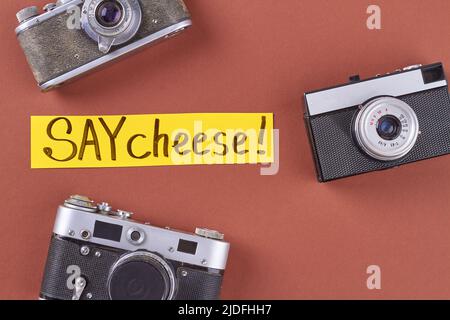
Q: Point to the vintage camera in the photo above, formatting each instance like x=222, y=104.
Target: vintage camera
x=100, y=253
x=379, y=123
x=73, y=37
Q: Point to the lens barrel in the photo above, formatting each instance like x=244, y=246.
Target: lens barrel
x=109, y=13
x=141, y=275
x=111, y=22
x=386, y=128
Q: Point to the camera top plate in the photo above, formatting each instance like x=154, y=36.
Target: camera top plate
x=114, y=229
x=402, y=82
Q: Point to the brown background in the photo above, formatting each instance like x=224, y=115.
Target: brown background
x=291, y=236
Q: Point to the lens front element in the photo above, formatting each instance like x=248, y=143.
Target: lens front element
x=109, y=13
x=386, y=128
x=389, y=127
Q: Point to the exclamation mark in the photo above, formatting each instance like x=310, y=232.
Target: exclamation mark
x=262, y=131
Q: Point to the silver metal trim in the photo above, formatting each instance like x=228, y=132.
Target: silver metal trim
x=130, y=256
x=27, y=14
x=214, y=252
x=46, y=15
x=80, y=285
x=412, y=67
x=84, y=250
x=357, y=93
x=49, y=6
x=116, y=54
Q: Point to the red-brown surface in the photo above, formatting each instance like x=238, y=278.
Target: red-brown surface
x=291, y=236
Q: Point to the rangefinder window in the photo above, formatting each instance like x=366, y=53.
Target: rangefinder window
x=186, y=246
x=107, y=231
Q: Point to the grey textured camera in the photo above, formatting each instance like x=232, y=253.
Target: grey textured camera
x=379, y=123
x=73, y=37
x=98, y=253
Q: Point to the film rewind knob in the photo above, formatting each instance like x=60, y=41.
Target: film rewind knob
x=81, y=202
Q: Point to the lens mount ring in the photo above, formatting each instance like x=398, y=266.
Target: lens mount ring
x=367, y=131
x=119, y=33
x=152, y=259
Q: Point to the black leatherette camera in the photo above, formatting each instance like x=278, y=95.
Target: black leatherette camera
x=379, y=123
x=97, y=253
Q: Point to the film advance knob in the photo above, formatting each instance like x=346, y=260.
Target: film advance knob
x=211, y=234
x=27, y=13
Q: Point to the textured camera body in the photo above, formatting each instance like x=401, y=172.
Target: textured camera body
x=58, y=53
x=330, y=116
x=193, y=283
x=99, y=253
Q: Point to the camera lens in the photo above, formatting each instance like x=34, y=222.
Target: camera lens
x=111, y=23
x=141, y=276
x=385, y=128
x=389, y=127
x=109, y=13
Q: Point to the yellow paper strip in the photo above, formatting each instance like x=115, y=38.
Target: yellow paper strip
x=151, y=140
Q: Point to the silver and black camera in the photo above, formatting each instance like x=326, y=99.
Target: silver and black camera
x=379, y=123
x=73, y=37
x=99, y=253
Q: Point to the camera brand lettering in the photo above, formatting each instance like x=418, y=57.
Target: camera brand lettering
x=151, y=140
